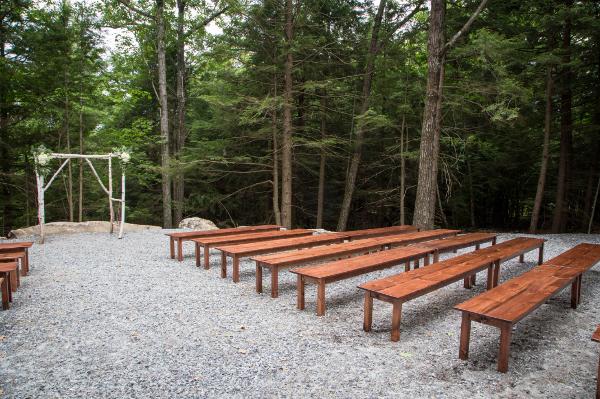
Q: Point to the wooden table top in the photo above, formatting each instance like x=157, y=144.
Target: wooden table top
x=510, y=247
x=12, y=245
x=518, y=297
x=382, y=231
x=14, y=254
x=582, y=256
x=8, y=266
x=416, y=237
x=459, y=241
x=275, y=245
x=216, y=232
x=246, y=238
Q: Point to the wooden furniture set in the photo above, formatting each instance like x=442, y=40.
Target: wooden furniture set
x=11, y=254
x=509, y=303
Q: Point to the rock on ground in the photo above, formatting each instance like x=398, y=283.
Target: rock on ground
x=197, y=224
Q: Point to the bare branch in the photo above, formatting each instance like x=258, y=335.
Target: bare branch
x=463, y=29
x=206, y=21
x=143, y=13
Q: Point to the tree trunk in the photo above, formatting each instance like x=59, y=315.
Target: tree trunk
x=68, y=138
x=472, y=199
x=560, y=221
x=286, y=166
x=321, y=192
x=374, y=48
x=178, y=182
x=164, y=116
x=546, y=149
x=275, y=158
x=80, y=207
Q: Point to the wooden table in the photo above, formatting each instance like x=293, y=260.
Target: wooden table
x=209, y=242
x=9, y=247
x=307, y=256
x=380, y=232
x=459, y=242
x=189, y=235
x=596, y=337
x=268, y=247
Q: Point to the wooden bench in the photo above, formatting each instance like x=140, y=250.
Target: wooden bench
x=268, y=247
x=596, y=338
x=11, y=257
x=400, y=240
x=190, y=235
x=246, y=238
x=509, y=303
x=9, y=272
x=459, y=242
x=5, y=305
x=415, y=283
x=307, y=256
x=9, y=247
x=347, y=268
x=380, y=232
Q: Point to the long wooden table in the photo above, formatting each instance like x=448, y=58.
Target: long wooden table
x=10, y=246
x=213, y=242
x=268, y=247
x=179, y=238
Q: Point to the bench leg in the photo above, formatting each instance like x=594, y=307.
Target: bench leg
x=466, y=283
x=274, y=280
x=505, y=333
x=477, y=247
x=300, y=292
x=368, y=311
x=465, y=336
x=396, y=317
x=19, y=274
x=416, y=264
x=406, y=267
x=13, y=277
x=541, y=255
x=172, y=247
x=236, y=268
x=180, y=250
x=26, y=261
x=223, y=264
x=473, y=277
x=521, y=258
x=206, y=256
x=198, y=262
x=579, y=289
x=490, y=277
x=436, y=256
x=426, y=260
x=321, y=298
x=5, y=292
x=496, y=273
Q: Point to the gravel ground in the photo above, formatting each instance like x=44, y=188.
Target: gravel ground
x=107, y=318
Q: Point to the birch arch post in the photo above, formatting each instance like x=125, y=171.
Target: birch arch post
x=42, y=159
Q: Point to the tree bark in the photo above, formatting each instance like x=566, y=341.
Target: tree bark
x=275, y=158
x=164, y=116
x=374, y=49
x=537, y=205
x=68, y=138
x=286, y=161
x=424, y=214
x=178, y=182
x=321, y=192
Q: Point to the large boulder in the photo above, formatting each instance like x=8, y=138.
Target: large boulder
x=197, y=224
x=69, y=228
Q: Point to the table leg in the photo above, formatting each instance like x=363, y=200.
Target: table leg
x=579, y=289
x=223, y=264
x=258, y=277
x=321, y=298
x=300, y=292
x=466, y=282
x=180, y=249
x=522, y=258
x=396, y=317
x=368, y=311
x=26, y=261
x=274, y=280
x=490, y=277
x=13, y=277
x=473, y=277
x=465, y=336
x=20, y=261
x=541, y=255
x=436, y=256
x=574, y=288
x=426, y=260
x=172, y=247
x=496, y=273
x=505, y=333
x=5, y=293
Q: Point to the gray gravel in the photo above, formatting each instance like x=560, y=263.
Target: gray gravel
x=108, y=318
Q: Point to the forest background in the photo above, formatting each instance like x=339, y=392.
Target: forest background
x=335, y=114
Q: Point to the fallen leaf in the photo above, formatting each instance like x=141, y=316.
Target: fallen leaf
x=178, y=312
x=2, y=337
x=120, y=266
x=243, y=327
x=195, y=379
x=133, y=332
x=242, y=351
x=406, y=354
x=1, y=391
x=228, y=335
x=132, y=319
x=430, y=335
x=450, y=334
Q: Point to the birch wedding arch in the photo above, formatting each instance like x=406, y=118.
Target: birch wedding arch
x=42, y=156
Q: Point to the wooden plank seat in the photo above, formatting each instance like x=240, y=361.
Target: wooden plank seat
x=509, y=303
x=596, y=338
x=212, y=242
x=415, y=283
x=268, y=247
x=9, y=272
x=179, y=238
x=400, y=240
x=15, y=256
x=347, y=268
x=10, y=246
x=453, y=244
x=380, y=232
x=307, y=256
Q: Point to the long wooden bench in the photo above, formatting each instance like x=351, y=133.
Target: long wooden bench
x=401, y=240
x=4, y=290
x=10, y=246
x=458, y=242
x=212, y=242
x=9, y=272
x=596, y=338
x=312, y=255
x=268, y=247
x=179, y=238
x=347, y=268
x=509, y=303
x=380, y=232
x=415, y=283
x=14, y=257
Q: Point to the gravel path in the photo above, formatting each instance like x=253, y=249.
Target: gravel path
x=107, y=318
